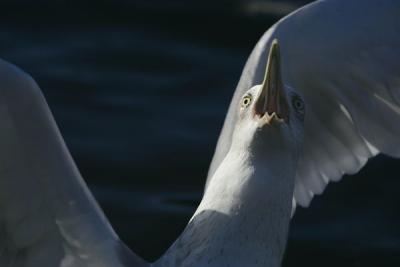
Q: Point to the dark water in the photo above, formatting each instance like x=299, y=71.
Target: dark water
x=140, y=90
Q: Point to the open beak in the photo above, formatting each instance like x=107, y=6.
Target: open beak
x=271, y=102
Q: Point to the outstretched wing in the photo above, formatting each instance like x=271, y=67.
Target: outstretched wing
x=344, y=57
x=48, y=217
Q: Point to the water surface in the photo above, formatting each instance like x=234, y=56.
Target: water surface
x=140, y=90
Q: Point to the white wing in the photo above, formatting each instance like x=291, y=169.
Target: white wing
x=344, y=57
x=48, y=217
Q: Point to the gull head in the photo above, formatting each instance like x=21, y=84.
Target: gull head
x=245, y=210
x=270, y=115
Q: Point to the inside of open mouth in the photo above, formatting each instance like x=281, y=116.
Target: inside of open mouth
x=271, y=102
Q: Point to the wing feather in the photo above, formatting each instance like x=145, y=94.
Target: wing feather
x=343, y=56
x=48, y=217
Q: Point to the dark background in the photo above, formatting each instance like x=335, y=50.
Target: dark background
x=140, y=90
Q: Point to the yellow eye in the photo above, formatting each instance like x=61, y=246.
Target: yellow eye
x=246, y=101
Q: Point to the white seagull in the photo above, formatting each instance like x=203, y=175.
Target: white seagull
x=297, y=121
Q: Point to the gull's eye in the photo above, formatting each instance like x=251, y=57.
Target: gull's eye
x=246, y=101
x=298, y=104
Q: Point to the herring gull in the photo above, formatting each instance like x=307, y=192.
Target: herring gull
x=343, y=57
x=339, y=72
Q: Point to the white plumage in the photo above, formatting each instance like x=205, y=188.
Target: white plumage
x=342, y=55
